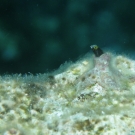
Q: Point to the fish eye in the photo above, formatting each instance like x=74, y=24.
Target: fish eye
x=95, y=47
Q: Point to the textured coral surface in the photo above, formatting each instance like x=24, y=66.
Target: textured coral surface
x=94, y=96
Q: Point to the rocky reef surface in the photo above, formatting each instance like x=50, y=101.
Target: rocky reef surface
x=93, y=96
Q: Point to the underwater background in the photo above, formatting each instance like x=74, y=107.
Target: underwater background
x=37, y=36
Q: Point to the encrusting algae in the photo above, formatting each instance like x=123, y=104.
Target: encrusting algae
x=94, y=96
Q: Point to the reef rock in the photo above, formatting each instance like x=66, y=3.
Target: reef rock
x=94, y=96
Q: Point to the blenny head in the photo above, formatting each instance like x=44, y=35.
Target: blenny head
x=96, y=50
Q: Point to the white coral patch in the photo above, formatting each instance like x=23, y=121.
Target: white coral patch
x=97, y=89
